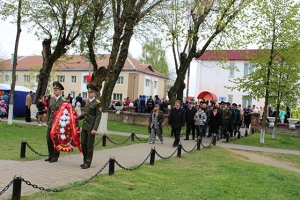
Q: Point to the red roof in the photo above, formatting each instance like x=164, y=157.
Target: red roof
x=226, y=55
x=78, y=62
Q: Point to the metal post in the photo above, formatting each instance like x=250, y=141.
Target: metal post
x=152, y=157
x=252, y=130
x=246, y=133
x=104, y=140
x=227, y=137
x=215, y=139
x=132, y=135
x=23, y=149
x=199, y=143
x=16, y=195
x=239, y=135
x=111, y=168
x=179, y=150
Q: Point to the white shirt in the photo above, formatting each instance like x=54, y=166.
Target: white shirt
x=91, y=99
x=56, y=98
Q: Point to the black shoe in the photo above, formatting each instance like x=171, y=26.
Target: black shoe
x=186, y=139
x=52, y=160
x=81, y=165
x=85, y=166
x=48, y=159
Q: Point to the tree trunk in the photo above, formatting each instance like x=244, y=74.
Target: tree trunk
x=13, y=83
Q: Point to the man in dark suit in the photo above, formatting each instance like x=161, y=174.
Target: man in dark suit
x=54, y=105
x=190, y=122
x=92, y=117
x=176, y=120
x=79, y=99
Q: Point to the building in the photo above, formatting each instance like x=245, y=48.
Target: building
x=209, y=76
x=135, y=79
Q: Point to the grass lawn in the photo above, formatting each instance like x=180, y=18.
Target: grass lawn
x=209, y=174
x=281, y=141
x=11, y=136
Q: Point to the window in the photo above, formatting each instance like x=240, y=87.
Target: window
x=72, y=94
x=230, y=98
x=6, y=78
x=17, y=77
x=36, y=78
x=231, y=69
x=26, y=78
x=248, y=69
x=246, y=101
x=62, y=93
x=155, y=84
x=147, y=83
x=73, y=79
x=84, y=95
x=120, y=80
x=61, y=79
x=117, y=96
x=84, y=79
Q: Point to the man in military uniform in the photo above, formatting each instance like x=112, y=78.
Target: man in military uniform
x=54, y=105
x=90, y=125
x=225, y=117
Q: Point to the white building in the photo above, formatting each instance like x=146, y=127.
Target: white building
x=208, y=79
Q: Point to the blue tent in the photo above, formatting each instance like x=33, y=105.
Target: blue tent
x=19, y=98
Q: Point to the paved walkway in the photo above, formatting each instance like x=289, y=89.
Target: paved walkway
x=67, y=169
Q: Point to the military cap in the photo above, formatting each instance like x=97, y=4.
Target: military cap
x=58, y=85
x=234, y=104
x=228, y=103
x=91, y=88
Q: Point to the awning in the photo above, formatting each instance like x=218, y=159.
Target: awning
x=207, y=96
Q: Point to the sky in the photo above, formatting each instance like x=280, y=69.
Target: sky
x=29, y=45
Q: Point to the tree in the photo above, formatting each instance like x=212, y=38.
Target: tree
x=193, y=22
x=277, y=59
x=57, y=21
x=154, y=54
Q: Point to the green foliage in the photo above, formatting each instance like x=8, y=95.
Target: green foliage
x=155, y=55
x=276, y=33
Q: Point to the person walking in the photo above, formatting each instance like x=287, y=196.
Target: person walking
x=92, y=117
x=200, y=120
x=41, y=112
x=54, y=105
x=156, y=119
x=215, y=121
x=225, y=119
x=176, y=120
x=28, y=104
x=190, y=122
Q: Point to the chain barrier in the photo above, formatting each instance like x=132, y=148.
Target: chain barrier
x=168, y=156
x=34, y=151
x=67, y=188
x=190, y=150
x=142, y=140
x=6, y=187
x=131, y=169
x=98, y=141
x=119, y=142
x=211, y=142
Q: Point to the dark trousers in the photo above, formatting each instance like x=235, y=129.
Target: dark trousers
x=231, y=128
x=176, y=133
x=214, y=130
x=225, y=129
x=188, y=130
x=51, y=149
x=87, y=144
x=204, y=129
x=28, y=119
x=199, y=130
x=247, y=122
x=149, y=109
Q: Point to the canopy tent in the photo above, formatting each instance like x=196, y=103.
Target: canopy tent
x=207, y=96
x=19, y=99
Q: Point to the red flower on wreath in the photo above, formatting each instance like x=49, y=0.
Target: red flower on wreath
x=64, y=133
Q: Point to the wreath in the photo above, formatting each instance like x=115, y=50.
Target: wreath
x=64, y=133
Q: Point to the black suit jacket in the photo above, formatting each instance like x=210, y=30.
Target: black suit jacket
x=177, y=118
x=215, y=120
x=189, y=115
